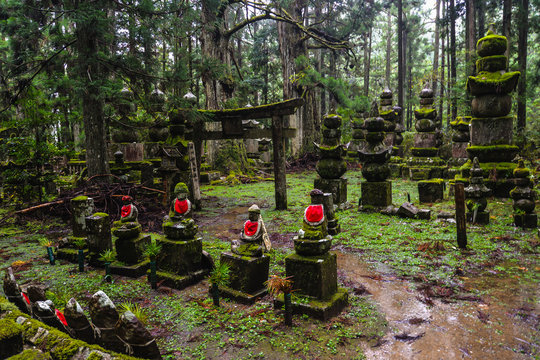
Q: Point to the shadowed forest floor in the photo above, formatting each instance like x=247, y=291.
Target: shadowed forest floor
x=413, y=294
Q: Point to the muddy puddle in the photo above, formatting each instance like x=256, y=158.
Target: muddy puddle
x=499, y=327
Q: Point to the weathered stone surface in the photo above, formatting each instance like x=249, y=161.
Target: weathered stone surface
x=11, y=338
x=247, y=274
x=81, y=207
x=313, y=275
x=180, y=257
x=338, y=188
x=407, y=210
x=130, y=250
x=42, y=311
x=181, y=230
x=331, y=168
x=491, y=63
x=13, y=291
x=459, y=150
x=529, y=221
x=424, y=214
x=425, y=140
x=491, y=105
x=377, y=194
x=430, y=191
x=36, y=292
x=317, y=308
x=136, y=338
x=375, y=172
x=78, y=322
x=104, y=317
x=98, y=229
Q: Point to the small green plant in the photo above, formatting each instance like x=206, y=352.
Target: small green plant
x=79, y=243
x=152, y=250
x=219, y=276
x=136, y=310
x=107, y=256
x=45, y=242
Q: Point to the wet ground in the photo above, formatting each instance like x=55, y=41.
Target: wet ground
x=501, y=324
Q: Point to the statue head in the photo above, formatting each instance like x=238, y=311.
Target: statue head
x=181, y=191
x=126, y=199
x=254, y=212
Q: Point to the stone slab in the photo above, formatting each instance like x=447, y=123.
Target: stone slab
x=322, y=310
x=180, y=282
x=529, y=221
x=425, y=140
x=377, y=194
x=130, y=251
x=314, y=276
x=430, y=191
x=247, y=274
x=338, y=188
x=179, y=257
x=69, y=254
x=492, y=130
x=241, y=297
x=133, y=271
x=482, y=217
x=459, y=150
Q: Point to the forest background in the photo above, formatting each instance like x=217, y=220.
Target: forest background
x=65, y=66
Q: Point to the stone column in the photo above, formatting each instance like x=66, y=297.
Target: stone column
x=98, y=229
x=81, y=207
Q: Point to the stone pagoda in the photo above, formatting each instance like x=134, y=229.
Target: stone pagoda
x=248, y=265
x=332, y=166
x=376, y=190
x=81, y=207
x=475, y=195
x=313, y=269
x=181, y=261
x=129, y=242
x=524, y=198
x=358, y=138
x=491, y=124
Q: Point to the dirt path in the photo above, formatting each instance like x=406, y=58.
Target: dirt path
x=494, y=329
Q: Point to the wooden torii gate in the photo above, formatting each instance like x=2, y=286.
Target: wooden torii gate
x=231, y=128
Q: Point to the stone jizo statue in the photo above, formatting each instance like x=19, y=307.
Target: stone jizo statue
x=253, y=238
x=181, y=206
x=129, y=212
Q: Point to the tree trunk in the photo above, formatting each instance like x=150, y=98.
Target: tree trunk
x=481, y=17
x=388, y=50
x=453, y=67
x=436, y=50
x=90, y=42
x=506, y=24
x=442, y=76
x=401, y=69
x=522, y=61
x=471, y=31
x=292, y=46
x=367, y=61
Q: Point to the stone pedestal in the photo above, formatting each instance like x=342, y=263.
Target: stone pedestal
x=482, y=217
x=376, y=194
x=81, y=207
x=338, y=188
x=529, y=221
x=459, y=150
x=98, y=229
x=247, y=279
x=429, y=191
x=11, y=338
x=129, y=253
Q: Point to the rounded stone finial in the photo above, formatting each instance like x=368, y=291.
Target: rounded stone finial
x=316, y=192
x=386, y=94
x=254, y=209
x=189, y=97
x=426, y=92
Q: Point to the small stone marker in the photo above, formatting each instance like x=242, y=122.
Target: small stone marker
x=460, y=216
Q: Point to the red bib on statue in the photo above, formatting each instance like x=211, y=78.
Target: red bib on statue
x=181, y=206
x=314, y=214
x=250, y=228
x=126, y=210
x=61, y=317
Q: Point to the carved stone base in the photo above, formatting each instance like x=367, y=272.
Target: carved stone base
x=247, y=277
x=338, y=188
x=529, y=221
x=376, y=194
x=180, y=282
x=133, y=270
x=429, y=191
x=130, y=251
x=482, y=217
x=319, y=309
x=180, y=257
x=314, y=276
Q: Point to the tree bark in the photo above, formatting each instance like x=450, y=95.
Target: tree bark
x=436, y=50
x=471, y=31
x=367, y=61
x=442, y=76
x=388, y=50
x=522, y=62
x=90, y=42
x=453, y=67
x=481, y=17
x=401, y=69
x=506, y=24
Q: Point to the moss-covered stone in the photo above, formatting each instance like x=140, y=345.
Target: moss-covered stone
x=430, y=191
x=425, y=152
x=425, y=113
x=493, y=153
x=247, y=274
x=376, y=194
x=491, y=63
x=491, y=45
x=180, y=257
x=492, y=83
x=313, y=275
x=331, y=168
x=31, y=354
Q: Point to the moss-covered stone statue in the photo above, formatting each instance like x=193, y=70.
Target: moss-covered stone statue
x=492, y=124
x=313, y=269
x=476, y=195
x=524, y=198
x=251, y=241
x=181, y=261
x=129, y=241
x=248, y=265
